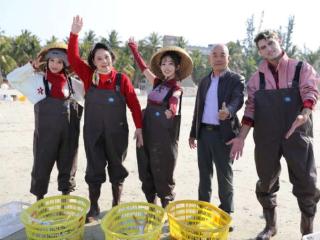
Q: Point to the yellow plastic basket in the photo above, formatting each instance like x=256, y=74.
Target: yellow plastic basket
x=197, y=220
x=58, y=217
x=134, y=220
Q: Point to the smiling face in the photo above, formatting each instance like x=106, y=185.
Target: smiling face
x=102, y=60
x=219, y=58
x=55, y=65
x=168, y=67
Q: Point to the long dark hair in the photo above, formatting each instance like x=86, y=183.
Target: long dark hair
x=93, y=51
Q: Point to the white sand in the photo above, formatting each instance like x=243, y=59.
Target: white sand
x=16, y=134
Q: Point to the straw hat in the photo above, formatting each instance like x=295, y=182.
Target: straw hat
x=59, y=46
x=185, y=64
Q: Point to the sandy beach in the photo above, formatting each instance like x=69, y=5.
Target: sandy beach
x=16, y=136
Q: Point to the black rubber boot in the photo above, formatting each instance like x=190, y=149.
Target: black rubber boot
x=40, y=197
x=94, y=212
x=271, y=224
x=164, y=202
x=306, y=224
x=152, y=198
x=116, y=193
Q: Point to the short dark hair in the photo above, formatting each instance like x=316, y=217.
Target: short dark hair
x=267, y=34
x=174, y=55
x=93, y=51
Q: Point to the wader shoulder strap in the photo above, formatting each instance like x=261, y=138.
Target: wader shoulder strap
x=118, y=82
x=262, y=81
x=46, y=86
x=70, y=85
x=179, y=113
x=296, y=79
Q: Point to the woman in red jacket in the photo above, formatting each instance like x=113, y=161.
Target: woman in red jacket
x=105, y=124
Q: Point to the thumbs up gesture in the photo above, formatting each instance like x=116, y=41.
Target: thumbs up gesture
x=224, y=112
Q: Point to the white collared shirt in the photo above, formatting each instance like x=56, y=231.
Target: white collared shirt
x=211, y=108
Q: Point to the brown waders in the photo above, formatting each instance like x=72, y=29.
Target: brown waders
x=275, y=111
x=157, y=158
x=106, y=142
x=56, y=138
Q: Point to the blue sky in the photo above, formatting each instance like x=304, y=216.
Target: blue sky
x=200, y=22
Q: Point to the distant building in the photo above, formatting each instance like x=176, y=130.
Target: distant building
x=169, y=40
x=203, y=50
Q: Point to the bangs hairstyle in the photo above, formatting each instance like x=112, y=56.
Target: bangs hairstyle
x=93, y=51
x=66, y=69
x=268, y=34
x=172, y=54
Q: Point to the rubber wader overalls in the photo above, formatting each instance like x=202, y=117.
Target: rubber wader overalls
x=275, y=111
x=106, y=142
x=157, y=158
x=56, y=138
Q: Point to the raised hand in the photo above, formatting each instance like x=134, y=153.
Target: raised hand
x=132, y=44
x=76, y=24
x=134, y=49
x=37, y=63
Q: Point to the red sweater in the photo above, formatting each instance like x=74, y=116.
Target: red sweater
x=85, y=73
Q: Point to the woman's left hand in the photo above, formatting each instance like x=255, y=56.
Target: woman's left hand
x=138, y=137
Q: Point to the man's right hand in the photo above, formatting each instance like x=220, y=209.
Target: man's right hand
x=192, y=143
x=76, y=24
x=237, y=147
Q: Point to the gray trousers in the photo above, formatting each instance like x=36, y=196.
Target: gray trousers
x=213, y=150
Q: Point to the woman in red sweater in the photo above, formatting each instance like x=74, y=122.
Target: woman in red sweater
x=161, y=121
x=105, y=123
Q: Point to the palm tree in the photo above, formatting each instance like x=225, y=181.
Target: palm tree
x=113, y=40
x=182, y=42
x=25, y=47
x=52, y=40
x=87, y=43
x=151, y=44
x=7, y=63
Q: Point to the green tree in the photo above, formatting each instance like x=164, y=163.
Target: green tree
x=312, y=57
x=113, y=40
x=7, y=63
x=52, y=40
x=182, y=42
x=236, y=61
x=87, y=43
x=201, y=66
x=151, y=44
x=25, y=47
x=286, y=37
